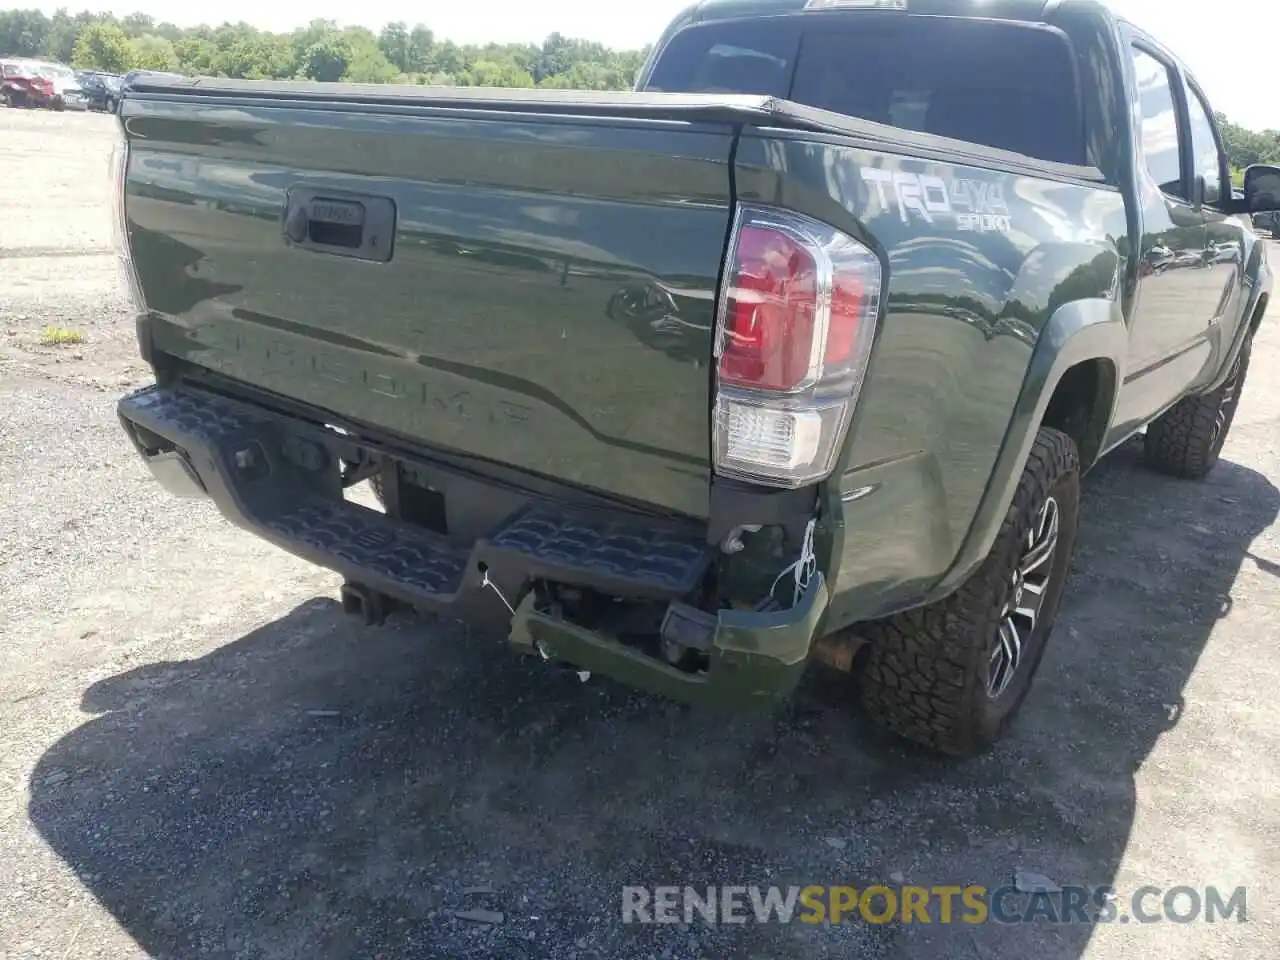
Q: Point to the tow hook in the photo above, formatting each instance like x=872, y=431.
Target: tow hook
x=368, y=605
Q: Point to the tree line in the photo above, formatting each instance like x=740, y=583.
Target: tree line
x=399, y=53
x=1245, y=147
x=321, y=50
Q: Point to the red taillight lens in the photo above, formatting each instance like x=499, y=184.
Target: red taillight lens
x=769, y=312
x=792, y=308
x=796, y=323
x=848, y=310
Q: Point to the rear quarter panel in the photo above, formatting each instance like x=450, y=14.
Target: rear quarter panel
x=977, y=262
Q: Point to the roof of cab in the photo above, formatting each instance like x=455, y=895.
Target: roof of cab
x=1030, y=10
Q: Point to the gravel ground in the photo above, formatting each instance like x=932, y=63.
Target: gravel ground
x=200, y=757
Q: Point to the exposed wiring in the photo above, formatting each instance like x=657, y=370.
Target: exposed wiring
x=486, y=582
x=803, y=569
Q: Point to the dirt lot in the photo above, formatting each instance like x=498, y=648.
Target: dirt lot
x=200, y=757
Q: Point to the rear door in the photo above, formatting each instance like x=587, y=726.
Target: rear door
x=1224, y=232
x=1169, y=320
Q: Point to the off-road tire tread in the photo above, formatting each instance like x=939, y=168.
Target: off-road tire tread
x=1180, y=441
x=924, y=673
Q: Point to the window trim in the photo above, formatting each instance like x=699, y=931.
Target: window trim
x=1186, y=154
x=1224, y=164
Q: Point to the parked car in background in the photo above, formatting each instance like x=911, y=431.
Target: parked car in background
x=67, y=92
x=1268, y=221
x=41, y=83
x=101, y=90
x=23, y=84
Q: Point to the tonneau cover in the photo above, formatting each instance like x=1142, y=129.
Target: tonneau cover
x=735, y=109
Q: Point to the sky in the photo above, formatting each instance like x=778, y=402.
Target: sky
x=1238, y=76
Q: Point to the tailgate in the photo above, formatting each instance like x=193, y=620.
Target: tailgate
x=541, y=294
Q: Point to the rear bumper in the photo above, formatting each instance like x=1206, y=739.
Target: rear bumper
x=276, y=476
x=755, y=657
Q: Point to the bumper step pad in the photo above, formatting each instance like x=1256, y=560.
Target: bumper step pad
x=633, y=558
x=651, y=562
x=361, y=539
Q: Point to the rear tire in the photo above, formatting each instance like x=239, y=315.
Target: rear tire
x=951, y=675
x=1186, y=440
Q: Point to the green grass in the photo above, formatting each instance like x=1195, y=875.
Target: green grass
x=53, y=336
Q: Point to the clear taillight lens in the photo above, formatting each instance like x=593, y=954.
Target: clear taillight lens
x=120, y=225
x=796, y=321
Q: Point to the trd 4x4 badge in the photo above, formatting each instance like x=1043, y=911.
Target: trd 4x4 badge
x=973, y=205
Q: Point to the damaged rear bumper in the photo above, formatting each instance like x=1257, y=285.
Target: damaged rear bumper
x=755, y=657
x=277, y=476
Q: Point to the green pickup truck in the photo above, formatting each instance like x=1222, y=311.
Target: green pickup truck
x=796, y=352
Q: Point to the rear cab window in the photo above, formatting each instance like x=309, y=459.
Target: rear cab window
x=1001, y=84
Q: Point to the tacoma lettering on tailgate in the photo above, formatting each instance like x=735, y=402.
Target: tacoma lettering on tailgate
x=272, y=356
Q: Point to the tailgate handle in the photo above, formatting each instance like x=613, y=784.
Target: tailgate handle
x=342, y=224
x=335, y=223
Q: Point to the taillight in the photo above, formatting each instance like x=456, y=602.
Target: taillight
x=770, y=307
x=796, y=321
x=120, y=223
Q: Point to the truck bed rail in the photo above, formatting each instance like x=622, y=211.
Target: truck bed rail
x=733, y=109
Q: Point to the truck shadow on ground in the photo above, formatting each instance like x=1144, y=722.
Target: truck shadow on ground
x=318, y=788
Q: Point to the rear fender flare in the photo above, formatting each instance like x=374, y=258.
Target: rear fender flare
x=1089, y=329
